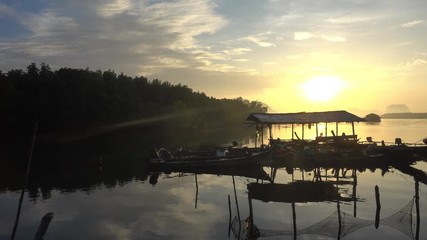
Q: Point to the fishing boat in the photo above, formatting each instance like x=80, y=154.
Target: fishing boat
x=398, y=150
x=249, y=171
x=219, y=157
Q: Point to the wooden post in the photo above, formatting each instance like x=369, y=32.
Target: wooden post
x=237, y=206
x=354, y=173
x=352, y=128
x=229, y=215
x=336, y=129
x=197, y=191
x=303, y=131
x=256, y=134
x=251, y=216
x=292, y=131
x=317, y=131
x=326, y=129
x=377, y=199
x=338, y=209
x=21, y=198
x=294, y=220
x=339, y=220
x=417, y=209
x=44, y=224
x=262, y=134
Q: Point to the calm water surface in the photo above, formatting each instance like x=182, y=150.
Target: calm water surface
x=196, y=206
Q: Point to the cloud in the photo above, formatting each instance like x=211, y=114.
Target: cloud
x=261, y=39
x=113, y=7
x=299, y=36
x=237, y=51
x=121, y=34
x=411, y=64
x=241, y=60
x=349, y=19
x=411, y=24
x=406, y=68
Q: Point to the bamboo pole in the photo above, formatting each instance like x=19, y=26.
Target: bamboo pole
x=352, y=128
x=251, y=216
x=229, y=215
x=21, y=198
x=338, y=209
x=44, y=224
x=294, y=220
x=303, y=131
x=326, y=129
x=377, y=213
x=197, y=191
x=417, y=209
x=237, y=206
x=354, y=173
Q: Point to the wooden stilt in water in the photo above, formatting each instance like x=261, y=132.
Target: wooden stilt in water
x=339, y=220
x=377, y=199
x=417, y=209
x=197, y=191
x=251, y=217
x=237, y=206
x=338, y=209
x=44, y=224
x=229, y=215
x=354, y=173
x=21, y=198
x=294, y=220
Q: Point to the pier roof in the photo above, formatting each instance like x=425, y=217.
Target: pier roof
x=304, y=117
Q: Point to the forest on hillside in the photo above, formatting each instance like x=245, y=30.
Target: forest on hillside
x=71, y=99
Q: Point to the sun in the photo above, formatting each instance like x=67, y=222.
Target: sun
x=323, y=88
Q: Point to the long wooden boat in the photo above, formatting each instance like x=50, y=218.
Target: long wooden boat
x=221, y=157
x=399, y=151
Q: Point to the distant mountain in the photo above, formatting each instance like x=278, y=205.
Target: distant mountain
x=401, y=111
x=397, y=108
x=406, y=115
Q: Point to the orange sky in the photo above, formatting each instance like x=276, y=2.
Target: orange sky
x=374, y=53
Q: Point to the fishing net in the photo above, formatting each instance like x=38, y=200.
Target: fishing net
x=401, y=220
x=339, y=224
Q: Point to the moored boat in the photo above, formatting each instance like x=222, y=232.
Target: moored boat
x=219, y=157
x=398, y=150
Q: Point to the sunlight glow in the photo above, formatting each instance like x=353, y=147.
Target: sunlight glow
x=323, y=88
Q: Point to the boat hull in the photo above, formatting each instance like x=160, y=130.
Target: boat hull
x=249, y=158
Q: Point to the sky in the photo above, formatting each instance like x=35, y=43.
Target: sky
x=293, y=55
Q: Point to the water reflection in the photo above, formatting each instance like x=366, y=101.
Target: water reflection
x=125, y=199
x=324, y=187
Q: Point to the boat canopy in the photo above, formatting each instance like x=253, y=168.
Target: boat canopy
x=304, y=117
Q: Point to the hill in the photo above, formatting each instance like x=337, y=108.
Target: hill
x=397, y=108
x=406, y=115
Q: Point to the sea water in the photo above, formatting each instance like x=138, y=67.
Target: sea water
x=107, y=205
